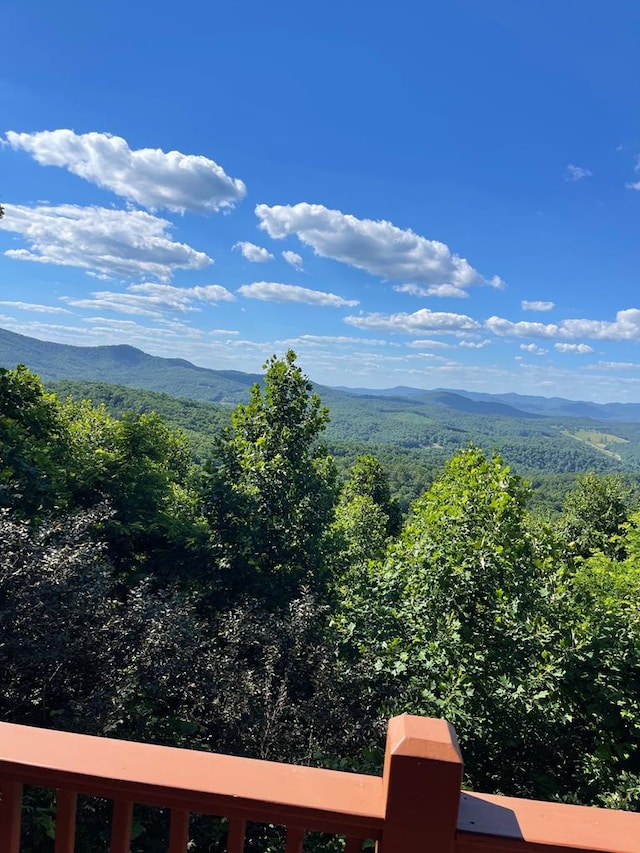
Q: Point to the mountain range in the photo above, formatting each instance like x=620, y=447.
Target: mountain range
x=533, y=433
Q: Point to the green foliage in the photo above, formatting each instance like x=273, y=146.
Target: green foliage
x=271, y=468
x=594, y=514
x=32, y=444
x=253, y=607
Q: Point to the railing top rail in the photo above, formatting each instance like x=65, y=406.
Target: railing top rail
x=326, y=800
x=501, y=824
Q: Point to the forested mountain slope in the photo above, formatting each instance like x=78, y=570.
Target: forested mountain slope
x=402, y=422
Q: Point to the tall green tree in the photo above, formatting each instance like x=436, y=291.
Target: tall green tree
x=270, y=489
x=454, y=618
x=33, y=445
x=594, y=513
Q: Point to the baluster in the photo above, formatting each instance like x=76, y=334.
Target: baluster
x=295, y=837
x=235, y=836
x=10, y=816
x=179, y=831
x=121, y=826
x=66, y=821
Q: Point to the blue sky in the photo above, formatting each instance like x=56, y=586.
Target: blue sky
x=430, y=194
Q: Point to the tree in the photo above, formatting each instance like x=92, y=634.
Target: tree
x=455, y=620
x=33, y=445
x=594, y=514
x=269, y=492
x=366, y=515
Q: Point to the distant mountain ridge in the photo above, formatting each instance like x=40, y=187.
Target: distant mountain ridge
x=122, y=364
x=520, y=405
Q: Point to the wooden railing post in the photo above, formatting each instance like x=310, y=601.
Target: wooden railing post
x=10, y=816
x=421, y=784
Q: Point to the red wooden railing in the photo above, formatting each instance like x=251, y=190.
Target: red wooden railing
x=417, y=805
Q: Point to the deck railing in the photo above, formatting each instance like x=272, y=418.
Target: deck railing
x=417, y=806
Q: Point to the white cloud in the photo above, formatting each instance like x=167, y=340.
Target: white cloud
x=434, y=290
x=475, y=344
x=40, y=309
x=427, y=344
x=576, y=173
x=378, y=247
x=294, y=259
x=582, y=349
x=635, y=185
x=626, y=327
x=152, y=300
x=148, y=176
x=331, y=340
x=253, y=253
x=271, y=291
x=533, y=348
x=112, y=242
x=537, y=305
x=424, y=320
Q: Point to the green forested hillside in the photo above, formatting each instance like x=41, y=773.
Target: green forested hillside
x=433, y=423
x=264, y=600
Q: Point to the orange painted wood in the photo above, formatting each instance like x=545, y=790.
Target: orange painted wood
x=179, y=831
x=66, y=821
x=244, y=788
x=235, y=836
x=121, y=826
x=422, y=780
x=488, y=823
x=10, y=816
x=295, y=838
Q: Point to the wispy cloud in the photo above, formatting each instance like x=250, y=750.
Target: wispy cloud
x=253, y=253
x=35, y=307
x=635, y=185
x=294, y=259
x=428, y=344
x=576, y=173
x=378, y=247
x=537, y=305
x=100, y=240
x=271, y=291
x=435, y=290
x=147, y=176
x=152, y=300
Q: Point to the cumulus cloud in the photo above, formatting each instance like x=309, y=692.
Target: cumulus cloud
x=533, y=348
x=272, y=291
x=253, y=253
x=378, y=247
x=626, y=327
x=434, y=290
x=582, y=349
x=424, y=320
x=537, y=305
x=151, y=177
x=294, y=259
x=576, y=173
x=152, y=300
x=100, y=240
